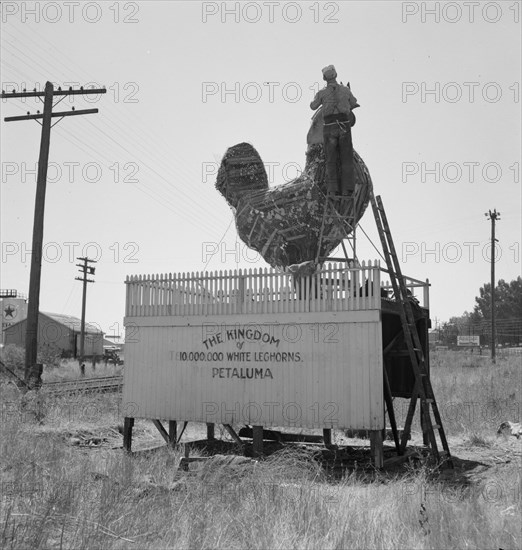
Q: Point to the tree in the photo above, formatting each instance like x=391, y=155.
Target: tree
x=463, y=322
x=456, y=326
x=508, y=309
x=508, y=306
x=448, y=333
x=508, y=300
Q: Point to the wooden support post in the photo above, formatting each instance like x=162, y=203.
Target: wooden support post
x=173, y=433
x=327, y=437
x=184, y=464
x=84, y=302
x=128, y=424
x=426, y=294
x=409, y=416
x=210, y=432
x=388, y=399
x=425, y=428
x=376, y=448
x=257, y=437
x=424, y=422
x=85, y=270
x=32, y=370
x=31, y=336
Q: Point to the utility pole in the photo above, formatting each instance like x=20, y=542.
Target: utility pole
x=33, y=371
x=84, y=269
x=494, y=217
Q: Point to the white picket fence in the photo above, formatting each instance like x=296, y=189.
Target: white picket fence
x=334, y=288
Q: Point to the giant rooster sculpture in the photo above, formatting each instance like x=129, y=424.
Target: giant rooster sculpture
x=287, y=224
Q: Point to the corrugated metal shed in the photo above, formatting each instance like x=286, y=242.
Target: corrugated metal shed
x=58, y=331
x=72, y=322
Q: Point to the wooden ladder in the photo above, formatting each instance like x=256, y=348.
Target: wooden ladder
x=422, y=387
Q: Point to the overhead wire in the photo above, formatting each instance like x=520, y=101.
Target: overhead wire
x=220, y=241
x=200, y=206
x=153, y=170
x=161, y=200
x=143, y=128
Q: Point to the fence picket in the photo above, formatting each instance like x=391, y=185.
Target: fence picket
x=335, y=287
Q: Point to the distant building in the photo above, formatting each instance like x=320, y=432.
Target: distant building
x=434, y=336
x=111, y=343
x=13, y=307
x=61, y=332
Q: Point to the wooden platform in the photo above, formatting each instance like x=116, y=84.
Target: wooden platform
x=263, y=348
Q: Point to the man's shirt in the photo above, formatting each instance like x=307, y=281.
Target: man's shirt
x=335, y=99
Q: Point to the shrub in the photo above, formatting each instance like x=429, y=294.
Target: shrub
x=13, y=358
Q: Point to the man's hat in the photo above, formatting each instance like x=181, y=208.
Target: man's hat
x=329, y=72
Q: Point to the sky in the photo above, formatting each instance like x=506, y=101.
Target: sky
x=439, y=128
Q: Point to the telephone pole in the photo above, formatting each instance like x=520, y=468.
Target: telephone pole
x=84, y=269
x=494, y=217
x=33, y=371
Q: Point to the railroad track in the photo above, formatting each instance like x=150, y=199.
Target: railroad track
x=102, y=384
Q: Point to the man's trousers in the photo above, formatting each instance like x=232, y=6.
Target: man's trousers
x=338, y=150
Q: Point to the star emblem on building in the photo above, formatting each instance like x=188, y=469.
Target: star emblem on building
x=9, y=311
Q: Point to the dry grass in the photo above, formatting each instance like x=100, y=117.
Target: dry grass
x=474, y=395
x=69, y=369
x=55, y=495
x=59, y=370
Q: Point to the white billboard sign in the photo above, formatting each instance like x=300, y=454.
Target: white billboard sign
x=315, y=371
x=468, y=340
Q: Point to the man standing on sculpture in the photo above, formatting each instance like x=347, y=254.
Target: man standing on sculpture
x=337, y=101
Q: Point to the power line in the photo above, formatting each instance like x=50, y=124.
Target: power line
x=143, y=130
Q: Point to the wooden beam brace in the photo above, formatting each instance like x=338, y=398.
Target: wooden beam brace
x=296, y=237
x=396, y=460
x=272, y=435
x=292, y=228
x=162, y=431
x=388, y=348
x=185, y=461
x=233, y=434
